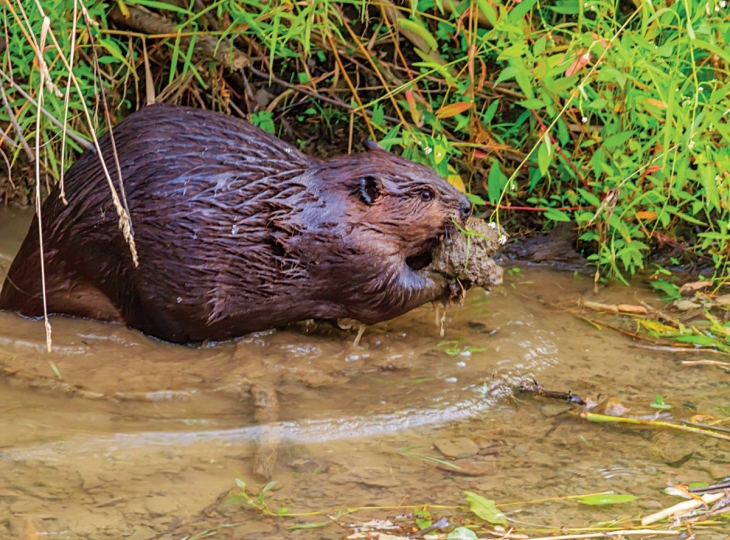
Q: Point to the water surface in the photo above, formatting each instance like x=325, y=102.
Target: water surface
x=139, y=439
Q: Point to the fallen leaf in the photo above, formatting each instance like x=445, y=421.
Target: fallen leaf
x=686, y=305
x=694, y=286
x=611, y=407
x=628, y=308
x=597, y=306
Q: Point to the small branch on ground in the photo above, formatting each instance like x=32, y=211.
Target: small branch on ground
x=207, y=47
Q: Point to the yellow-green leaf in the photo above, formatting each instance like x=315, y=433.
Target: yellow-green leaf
x=419, y=29
x=488, y=11
x=606, y=498
x=485, y=509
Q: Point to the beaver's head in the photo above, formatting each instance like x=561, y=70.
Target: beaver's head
x=402, y=204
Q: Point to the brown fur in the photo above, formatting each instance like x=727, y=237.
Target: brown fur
x=236, y=231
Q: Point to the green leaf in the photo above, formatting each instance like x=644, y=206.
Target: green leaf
x=163, y=6
x=686, y=217
x=264, y=120
x=659, y=403
x=543, y=157
x=607, y=498
x=423, y=519
x=378, y=115
x=495, y=182
x=557, y=215
x=515, y=16
x=590, y=197
x=418, y=28
x=614, y=141
x=475, y=199
x=488, y=11
x=705, y=341
x=671, y=290
x=270, y=485
x=485, y=509
x=462, y=533
x=532, y=104
x=114, y=50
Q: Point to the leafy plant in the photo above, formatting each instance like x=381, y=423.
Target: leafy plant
x=613, y=115
x=485, y=509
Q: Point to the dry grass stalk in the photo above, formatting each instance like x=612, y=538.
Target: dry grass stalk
x=39, y=54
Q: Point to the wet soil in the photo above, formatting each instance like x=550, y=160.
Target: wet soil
x=115, y=435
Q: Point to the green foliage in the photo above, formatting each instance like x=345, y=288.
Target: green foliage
x=611, y=114
x=603, y=499
x=264, y=120
x=485, y=509
x=454, y=348
x=659, y=403
x=23, y=21
x=423, y=519
x=707, y=333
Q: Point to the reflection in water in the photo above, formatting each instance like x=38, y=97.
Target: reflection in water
x=163, y=430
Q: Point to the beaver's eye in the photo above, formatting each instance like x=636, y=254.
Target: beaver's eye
x=427, y=195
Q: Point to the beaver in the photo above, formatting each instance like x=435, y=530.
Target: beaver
x=236, y=231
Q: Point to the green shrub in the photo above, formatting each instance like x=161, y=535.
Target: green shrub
x=611, y=114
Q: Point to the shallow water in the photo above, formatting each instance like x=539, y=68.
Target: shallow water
x=115, y=435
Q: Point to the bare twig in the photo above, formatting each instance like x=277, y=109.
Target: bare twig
x=206, y=47
x=16, y=126
x=679, y=349
x=7, y=163
x=682, y=508
x=609, y=534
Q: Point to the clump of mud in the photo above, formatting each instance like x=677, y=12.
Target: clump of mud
x=466, y=256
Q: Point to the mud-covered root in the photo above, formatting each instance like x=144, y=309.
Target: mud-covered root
x=467, y=256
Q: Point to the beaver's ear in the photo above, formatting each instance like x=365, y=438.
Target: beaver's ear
x=372, y=146
x=369, y=189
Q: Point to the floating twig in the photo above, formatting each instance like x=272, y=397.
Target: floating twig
x=594, y=417
x=705, y=363
x=617, y=534
x=681, y=508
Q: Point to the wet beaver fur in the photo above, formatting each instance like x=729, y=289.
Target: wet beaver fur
x=236, y=231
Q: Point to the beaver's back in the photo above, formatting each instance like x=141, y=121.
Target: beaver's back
x=192, y=178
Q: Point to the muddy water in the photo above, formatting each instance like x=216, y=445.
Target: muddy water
x=115, y=435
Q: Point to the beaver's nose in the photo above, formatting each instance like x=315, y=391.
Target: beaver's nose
x=465, y=208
